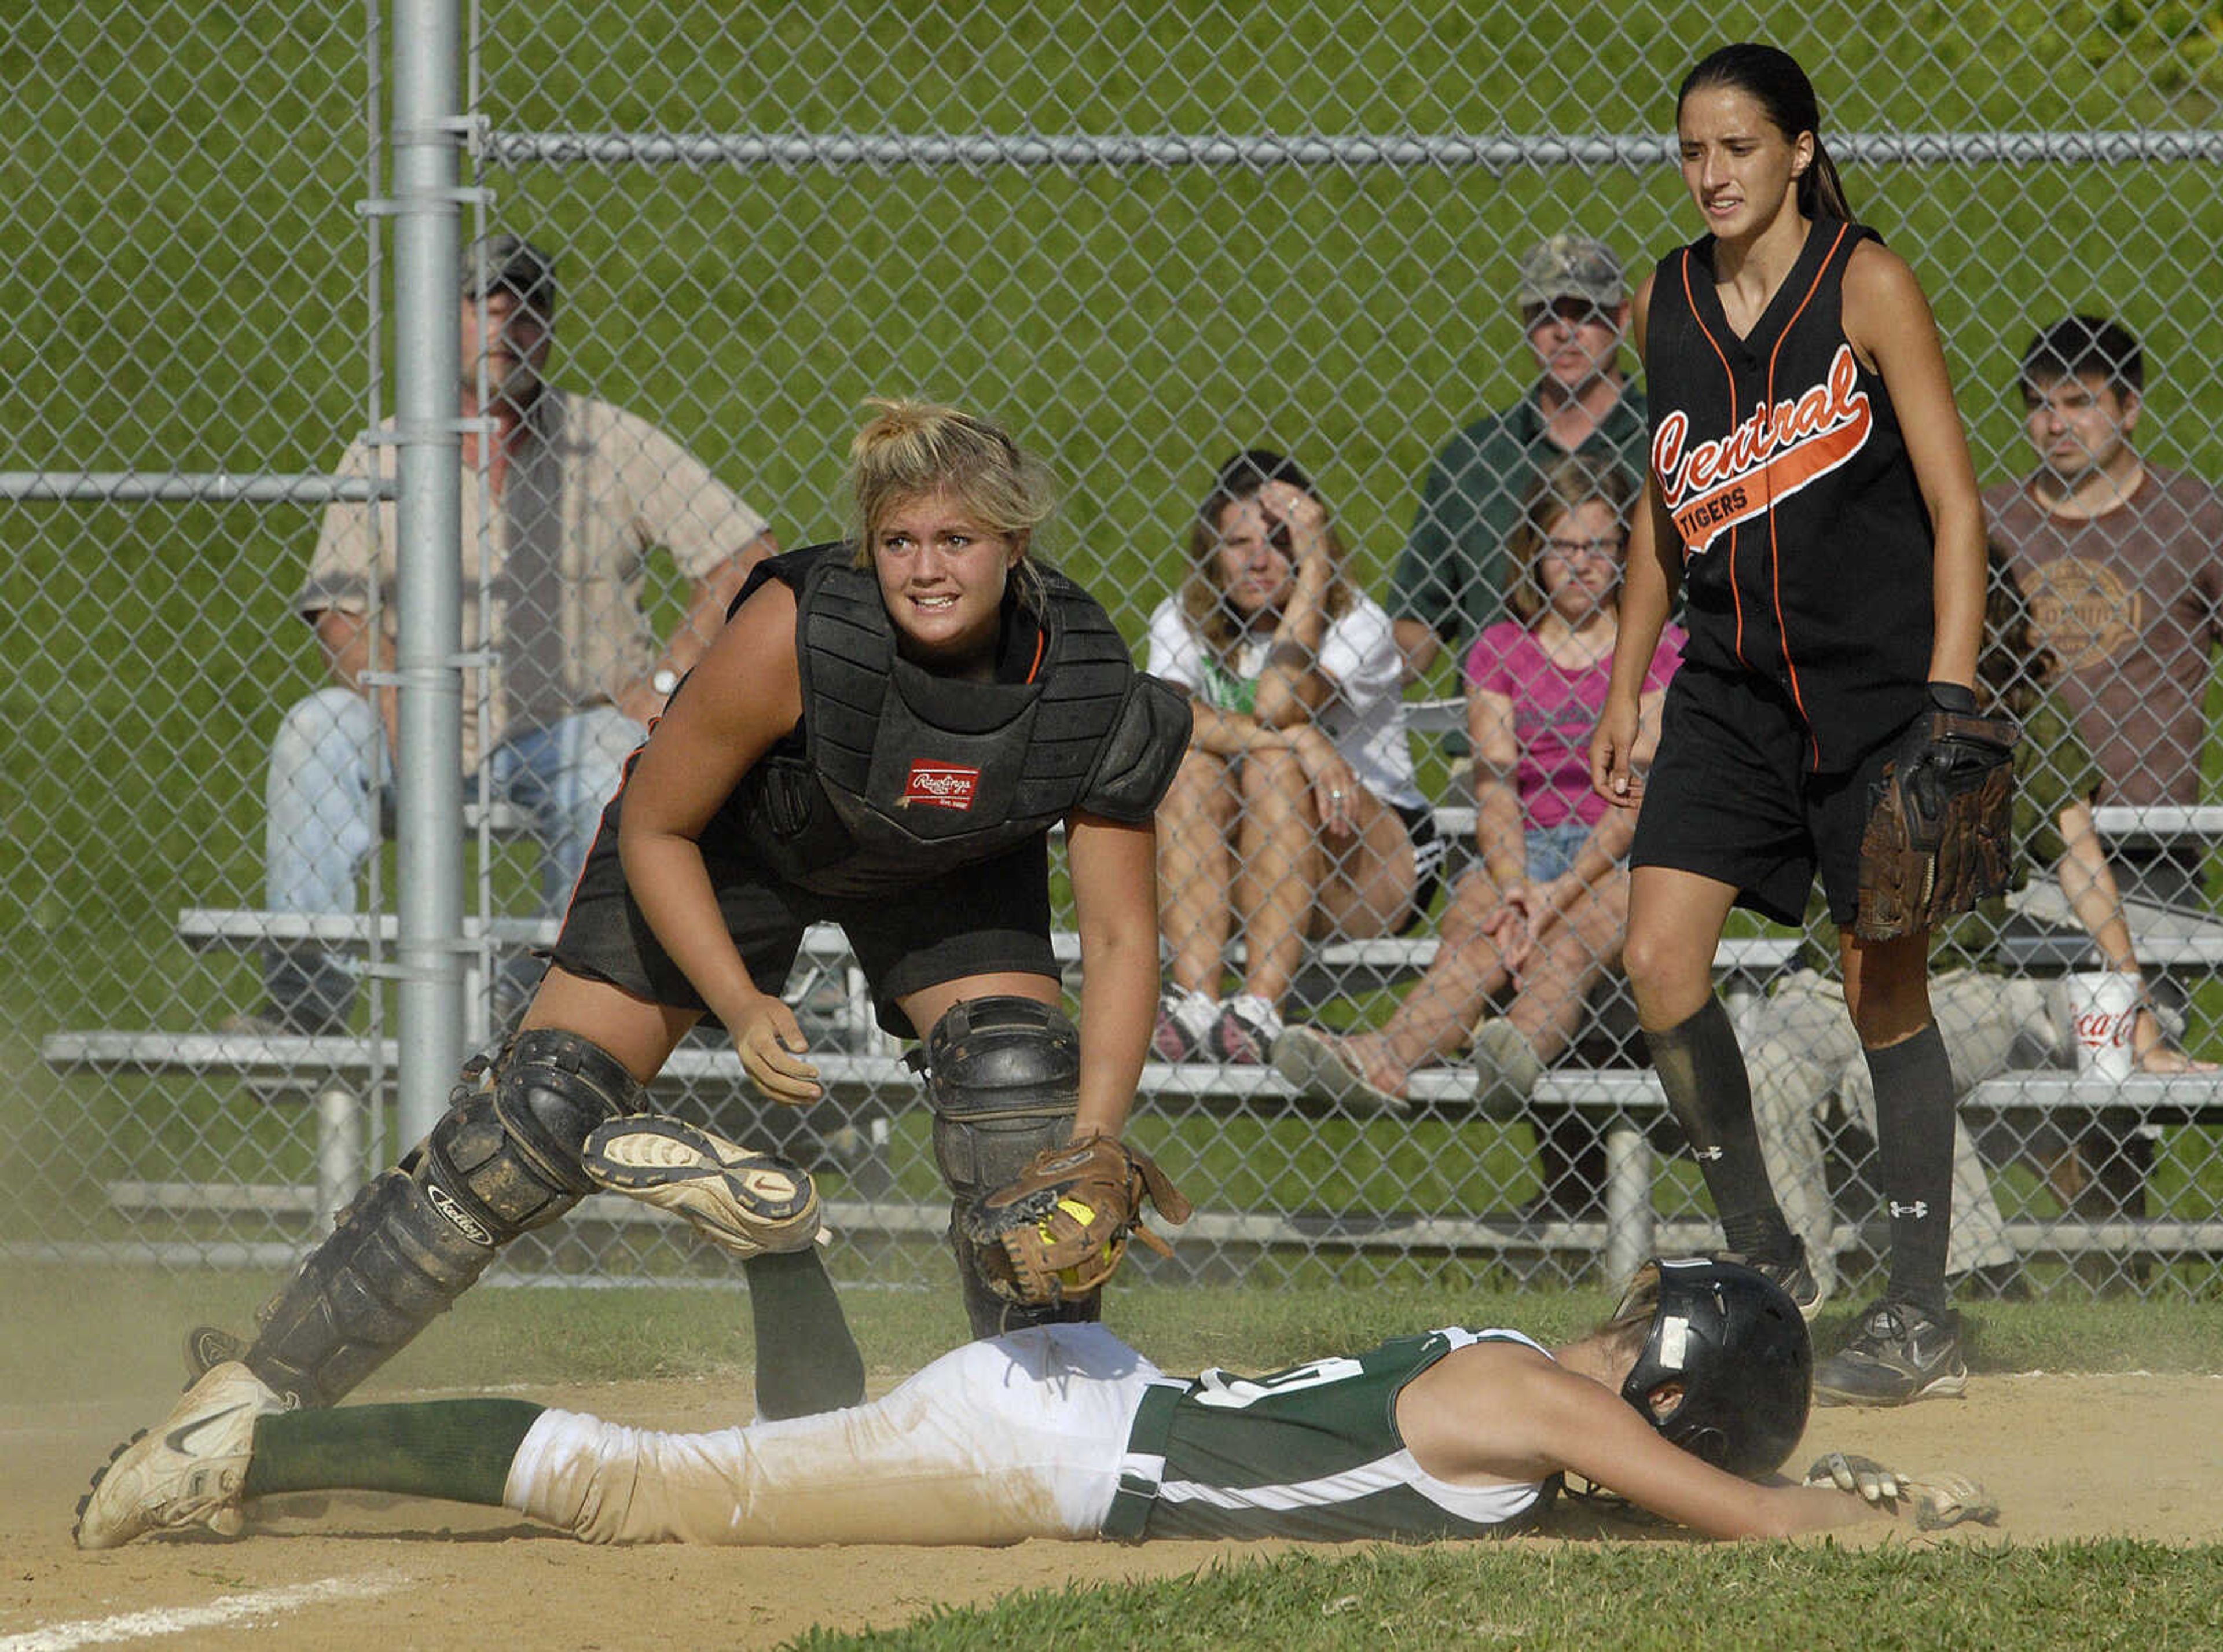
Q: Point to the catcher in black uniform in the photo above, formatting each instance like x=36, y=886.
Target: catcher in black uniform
x=882, y=736
x=1810, y=491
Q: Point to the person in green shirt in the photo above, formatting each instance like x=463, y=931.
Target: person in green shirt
x=1804, y=1051
x=1451, y=580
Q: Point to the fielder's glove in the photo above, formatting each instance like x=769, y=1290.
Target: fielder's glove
x=1058, y=1231
x=1939, y=1498
x=1940, y=836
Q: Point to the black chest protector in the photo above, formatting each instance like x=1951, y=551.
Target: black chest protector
x=903, y=775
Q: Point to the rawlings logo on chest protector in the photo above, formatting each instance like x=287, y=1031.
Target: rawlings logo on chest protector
x=940, y=785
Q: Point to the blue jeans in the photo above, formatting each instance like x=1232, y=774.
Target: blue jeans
x=330, y=773
x=1552, y=849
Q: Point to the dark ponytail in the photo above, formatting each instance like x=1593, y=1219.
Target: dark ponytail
x=1773, y=79
x=1821, y=192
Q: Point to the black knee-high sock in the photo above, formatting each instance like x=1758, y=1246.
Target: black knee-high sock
x=459, y=1449
x=1702, y=1069
x=807, y=1361
x=1914, y=1154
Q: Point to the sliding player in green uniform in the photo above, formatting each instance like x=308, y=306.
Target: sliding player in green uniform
x=1700, y=1379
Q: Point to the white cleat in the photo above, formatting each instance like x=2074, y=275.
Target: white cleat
x=744, y=1202
x=188, y=1472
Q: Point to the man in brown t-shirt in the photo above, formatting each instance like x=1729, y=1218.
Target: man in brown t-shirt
x=2123, y=563
x=563, y=499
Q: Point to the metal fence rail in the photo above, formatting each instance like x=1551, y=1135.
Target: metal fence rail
x=172, y=488
x=1268, y=151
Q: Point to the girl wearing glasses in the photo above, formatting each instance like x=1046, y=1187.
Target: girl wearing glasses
x=1545, y=906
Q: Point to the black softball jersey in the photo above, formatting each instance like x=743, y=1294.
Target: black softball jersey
x=1806, y=545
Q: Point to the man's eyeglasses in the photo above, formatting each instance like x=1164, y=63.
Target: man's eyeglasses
x=1572, y=312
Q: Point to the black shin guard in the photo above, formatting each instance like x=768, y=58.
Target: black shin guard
x=502, y=1160
x=1914, y=1157
x=391, y=1266
x=1702, y=1069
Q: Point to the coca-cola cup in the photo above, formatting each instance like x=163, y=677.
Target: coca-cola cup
x=2096, y=1011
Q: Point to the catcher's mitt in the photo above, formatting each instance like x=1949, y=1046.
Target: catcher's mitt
x=1940, y=835
x=1058, y=1231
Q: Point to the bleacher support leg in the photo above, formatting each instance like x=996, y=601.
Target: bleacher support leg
x=1627, y=1199
x=339, y=1151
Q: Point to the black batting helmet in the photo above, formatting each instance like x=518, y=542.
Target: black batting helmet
x=1736, y=1343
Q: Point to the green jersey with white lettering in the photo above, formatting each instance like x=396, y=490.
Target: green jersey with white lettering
x=1312, y=1452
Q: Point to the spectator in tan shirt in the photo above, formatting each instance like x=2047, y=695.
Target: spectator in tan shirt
x=564, y=504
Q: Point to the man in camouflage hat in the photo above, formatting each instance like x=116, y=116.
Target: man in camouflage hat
x=1451, y=580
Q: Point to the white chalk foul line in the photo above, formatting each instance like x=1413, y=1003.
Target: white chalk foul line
x=225, y=1609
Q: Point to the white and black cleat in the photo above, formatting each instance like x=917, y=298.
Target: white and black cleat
x=191, y=1471
x=745, y=1202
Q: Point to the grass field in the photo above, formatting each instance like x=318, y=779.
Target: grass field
x=1643, y=1598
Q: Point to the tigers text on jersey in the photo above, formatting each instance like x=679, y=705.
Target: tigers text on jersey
x=1806, y=545
x=1312, y=1452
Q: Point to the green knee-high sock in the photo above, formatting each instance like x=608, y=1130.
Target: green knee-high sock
x=1702, y=1069
x=807, y=1361
x=459, y=1449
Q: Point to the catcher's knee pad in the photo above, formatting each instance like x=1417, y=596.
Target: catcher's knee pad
x=509, y=1156
x=502, y=1160
x=1003, y=1079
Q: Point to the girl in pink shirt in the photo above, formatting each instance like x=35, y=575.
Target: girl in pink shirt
x=1544, y=909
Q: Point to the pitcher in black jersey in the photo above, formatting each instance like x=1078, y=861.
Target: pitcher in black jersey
x=1692, y=1392
x=1810, y=493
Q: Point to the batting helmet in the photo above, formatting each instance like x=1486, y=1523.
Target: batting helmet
x=1737, y=1345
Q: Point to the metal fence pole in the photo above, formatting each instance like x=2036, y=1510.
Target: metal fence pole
x=427, y=144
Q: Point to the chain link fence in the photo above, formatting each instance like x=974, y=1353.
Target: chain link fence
x=1148, y=238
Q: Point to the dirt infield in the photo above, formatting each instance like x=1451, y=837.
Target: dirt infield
x=2069, y=1456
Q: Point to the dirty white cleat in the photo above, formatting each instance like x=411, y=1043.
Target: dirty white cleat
x=188, y=1472
x=744, y=1202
